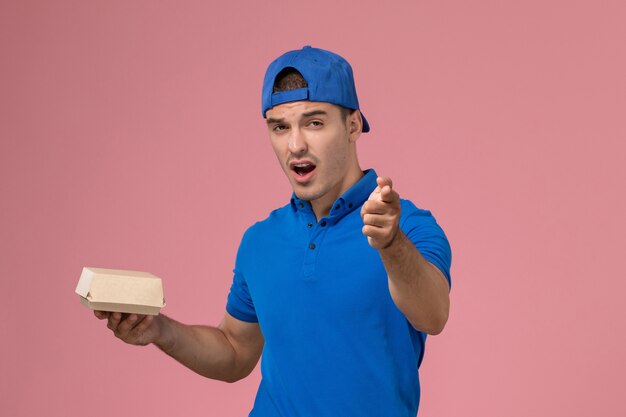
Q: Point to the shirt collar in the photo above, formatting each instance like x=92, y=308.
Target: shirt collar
x=352, y=198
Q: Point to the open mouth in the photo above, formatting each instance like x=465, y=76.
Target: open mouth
x=303, y=168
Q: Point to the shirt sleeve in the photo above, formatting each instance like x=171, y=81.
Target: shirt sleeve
x=428, y=237
x=239, y=304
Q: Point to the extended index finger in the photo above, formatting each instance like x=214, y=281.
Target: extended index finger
x=387, y=193
x=383, y=181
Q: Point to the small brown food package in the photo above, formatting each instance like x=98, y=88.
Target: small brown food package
x=120, y=291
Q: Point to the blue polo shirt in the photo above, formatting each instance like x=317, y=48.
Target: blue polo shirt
x=335, y=342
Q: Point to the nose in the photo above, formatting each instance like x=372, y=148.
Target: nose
x=297, y=142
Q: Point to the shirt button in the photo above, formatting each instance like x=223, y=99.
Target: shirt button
x=312, y=246
x=310, y=225
x=350, y=205
x=337, y=207
x=323, y=223
x=301, y=205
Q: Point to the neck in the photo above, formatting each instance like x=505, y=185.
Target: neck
x=321, y=207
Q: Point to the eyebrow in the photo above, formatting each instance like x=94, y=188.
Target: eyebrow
x=314, y=113
x=271, y=120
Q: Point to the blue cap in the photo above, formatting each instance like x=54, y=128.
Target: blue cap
x=328, y=76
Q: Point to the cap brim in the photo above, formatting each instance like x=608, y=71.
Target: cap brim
x=366, y=125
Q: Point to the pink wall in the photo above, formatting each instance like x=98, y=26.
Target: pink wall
x=131, y=137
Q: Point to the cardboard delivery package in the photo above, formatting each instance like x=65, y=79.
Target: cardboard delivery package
x=120, y=291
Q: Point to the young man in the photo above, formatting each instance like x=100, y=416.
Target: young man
x=339, y=287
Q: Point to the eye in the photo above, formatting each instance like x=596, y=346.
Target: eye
x=279, y=128
x=316, y=123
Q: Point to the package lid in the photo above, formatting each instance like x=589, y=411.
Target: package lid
x=120, y=291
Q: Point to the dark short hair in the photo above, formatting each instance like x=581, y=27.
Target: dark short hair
x=291, y=79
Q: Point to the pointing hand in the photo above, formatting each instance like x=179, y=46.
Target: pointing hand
x=381, y=215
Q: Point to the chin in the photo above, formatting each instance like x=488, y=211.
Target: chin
x=307, y=195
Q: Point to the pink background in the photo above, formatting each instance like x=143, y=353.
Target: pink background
x=131, y=137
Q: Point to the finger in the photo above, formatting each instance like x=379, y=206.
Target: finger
x=383, y=181
x=114, y=321
x=373, y=232
x=376, y=220
x=374, y=207
x=378, y=237
x=389, y=195
x=137, y=323
x=127, y=323
x=101, y=315
x=143, y=324
x=374, y=195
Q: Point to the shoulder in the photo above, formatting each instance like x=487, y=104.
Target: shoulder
x=422, y=229
x=415, y=218
x=410, y=212
x=262, y=238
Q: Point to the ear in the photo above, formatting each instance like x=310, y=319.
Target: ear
x=355, y=125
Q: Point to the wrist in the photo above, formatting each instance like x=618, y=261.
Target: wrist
x=165, y=339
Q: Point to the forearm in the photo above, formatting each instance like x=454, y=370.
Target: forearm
x=203, y=349
x=417, y=288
